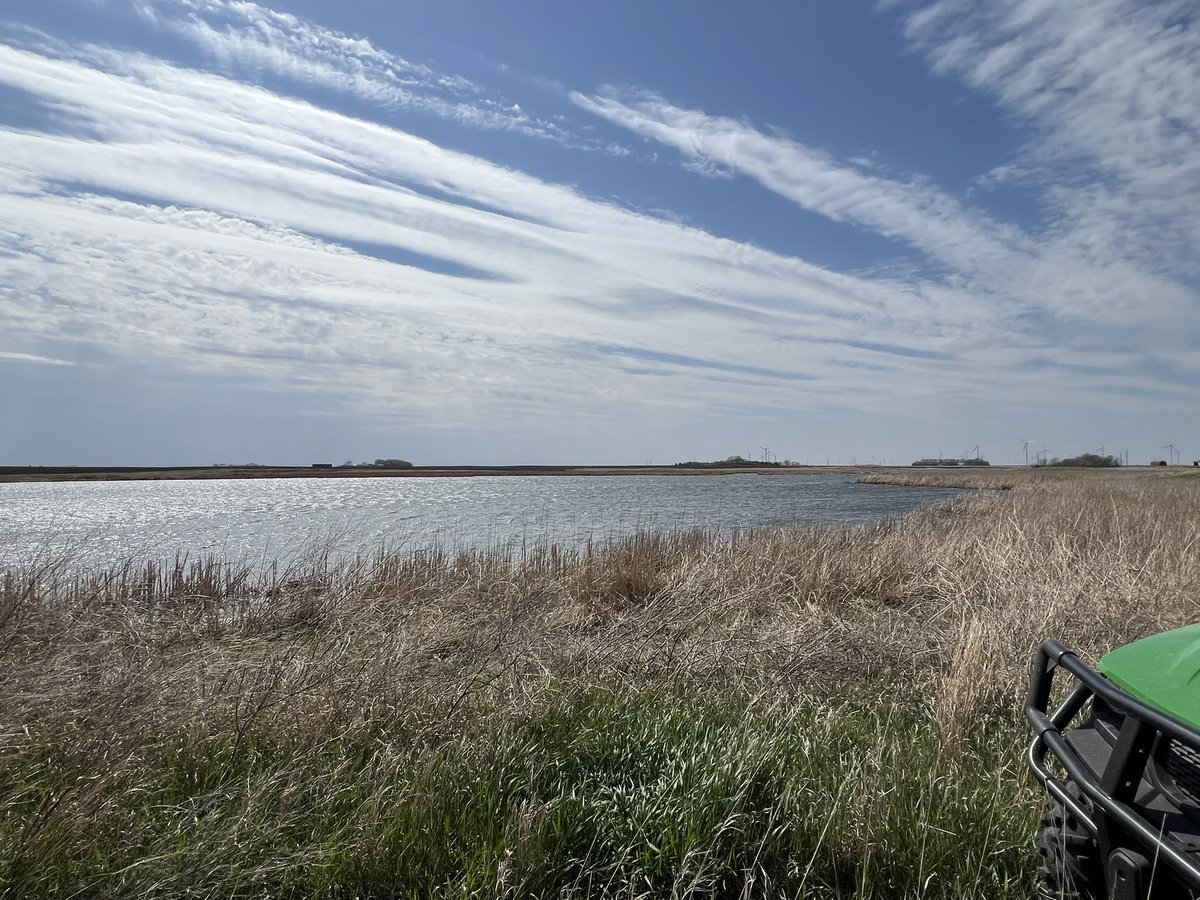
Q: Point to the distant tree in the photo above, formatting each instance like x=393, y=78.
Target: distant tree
x=393, y=464
x=730, y=462
x=1089, y=461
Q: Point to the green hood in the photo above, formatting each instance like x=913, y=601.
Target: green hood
x=1163, y=670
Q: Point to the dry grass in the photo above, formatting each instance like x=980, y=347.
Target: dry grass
x=1005, y=478
x=112, y=679
x=981, y=478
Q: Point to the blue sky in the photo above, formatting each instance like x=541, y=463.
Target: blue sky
x=465, y=232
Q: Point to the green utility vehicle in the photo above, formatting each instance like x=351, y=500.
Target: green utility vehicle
x=1120, y=758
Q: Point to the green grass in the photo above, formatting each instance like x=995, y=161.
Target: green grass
x=603, y=793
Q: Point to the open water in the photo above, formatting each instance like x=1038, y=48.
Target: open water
x=100, y=523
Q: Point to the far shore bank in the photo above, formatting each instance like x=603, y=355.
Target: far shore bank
x=968, y=477
x=10, y=474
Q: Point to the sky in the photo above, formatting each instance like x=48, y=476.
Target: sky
x=470, y=232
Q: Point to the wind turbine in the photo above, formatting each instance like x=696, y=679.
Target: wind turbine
x=1026, y=443
x=1174, y=455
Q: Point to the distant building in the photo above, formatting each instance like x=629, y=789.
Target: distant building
x=1158, y=462
x=322, y=465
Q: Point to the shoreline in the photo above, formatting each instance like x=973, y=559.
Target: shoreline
x=996, y=476
x=18, y=474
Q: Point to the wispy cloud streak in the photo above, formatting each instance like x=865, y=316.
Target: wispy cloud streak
x=214, y=222
x=1115, y=265
x=912, y=211
x=245, y=38
x=1109, y=87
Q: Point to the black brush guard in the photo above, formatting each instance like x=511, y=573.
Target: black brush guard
x=1113, y=820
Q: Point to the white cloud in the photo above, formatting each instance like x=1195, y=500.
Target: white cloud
x=910, y=211
x=6, y=356
x=245, y=38
x=217, y=226
x=1117, y=121
x=1109, y=87
x=243, y=253
x=709, y=169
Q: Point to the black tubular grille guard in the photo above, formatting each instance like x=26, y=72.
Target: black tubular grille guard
x=1048, y=738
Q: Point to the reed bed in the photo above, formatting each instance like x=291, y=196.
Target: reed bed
x=817, y=713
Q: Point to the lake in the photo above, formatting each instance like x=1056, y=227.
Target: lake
x=100, y=523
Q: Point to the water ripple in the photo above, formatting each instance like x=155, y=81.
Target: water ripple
x=102, y=522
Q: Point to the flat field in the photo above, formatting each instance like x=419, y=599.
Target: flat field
x=798, y=713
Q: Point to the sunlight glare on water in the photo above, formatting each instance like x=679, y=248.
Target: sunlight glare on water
x=267, y=519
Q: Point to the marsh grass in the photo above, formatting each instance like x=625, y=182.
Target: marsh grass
x=597, y=793
x=824, y=713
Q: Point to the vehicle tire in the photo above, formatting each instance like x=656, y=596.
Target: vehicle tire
x=1069, y=864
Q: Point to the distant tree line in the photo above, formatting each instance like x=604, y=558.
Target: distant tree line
x=731, y=462
x=1089, y=461
x=378, y=464
x=934, y=461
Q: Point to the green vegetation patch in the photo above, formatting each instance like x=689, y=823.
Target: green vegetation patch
x=600, y=793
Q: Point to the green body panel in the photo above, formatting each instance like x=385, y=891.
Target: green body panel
x=1163, y=670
